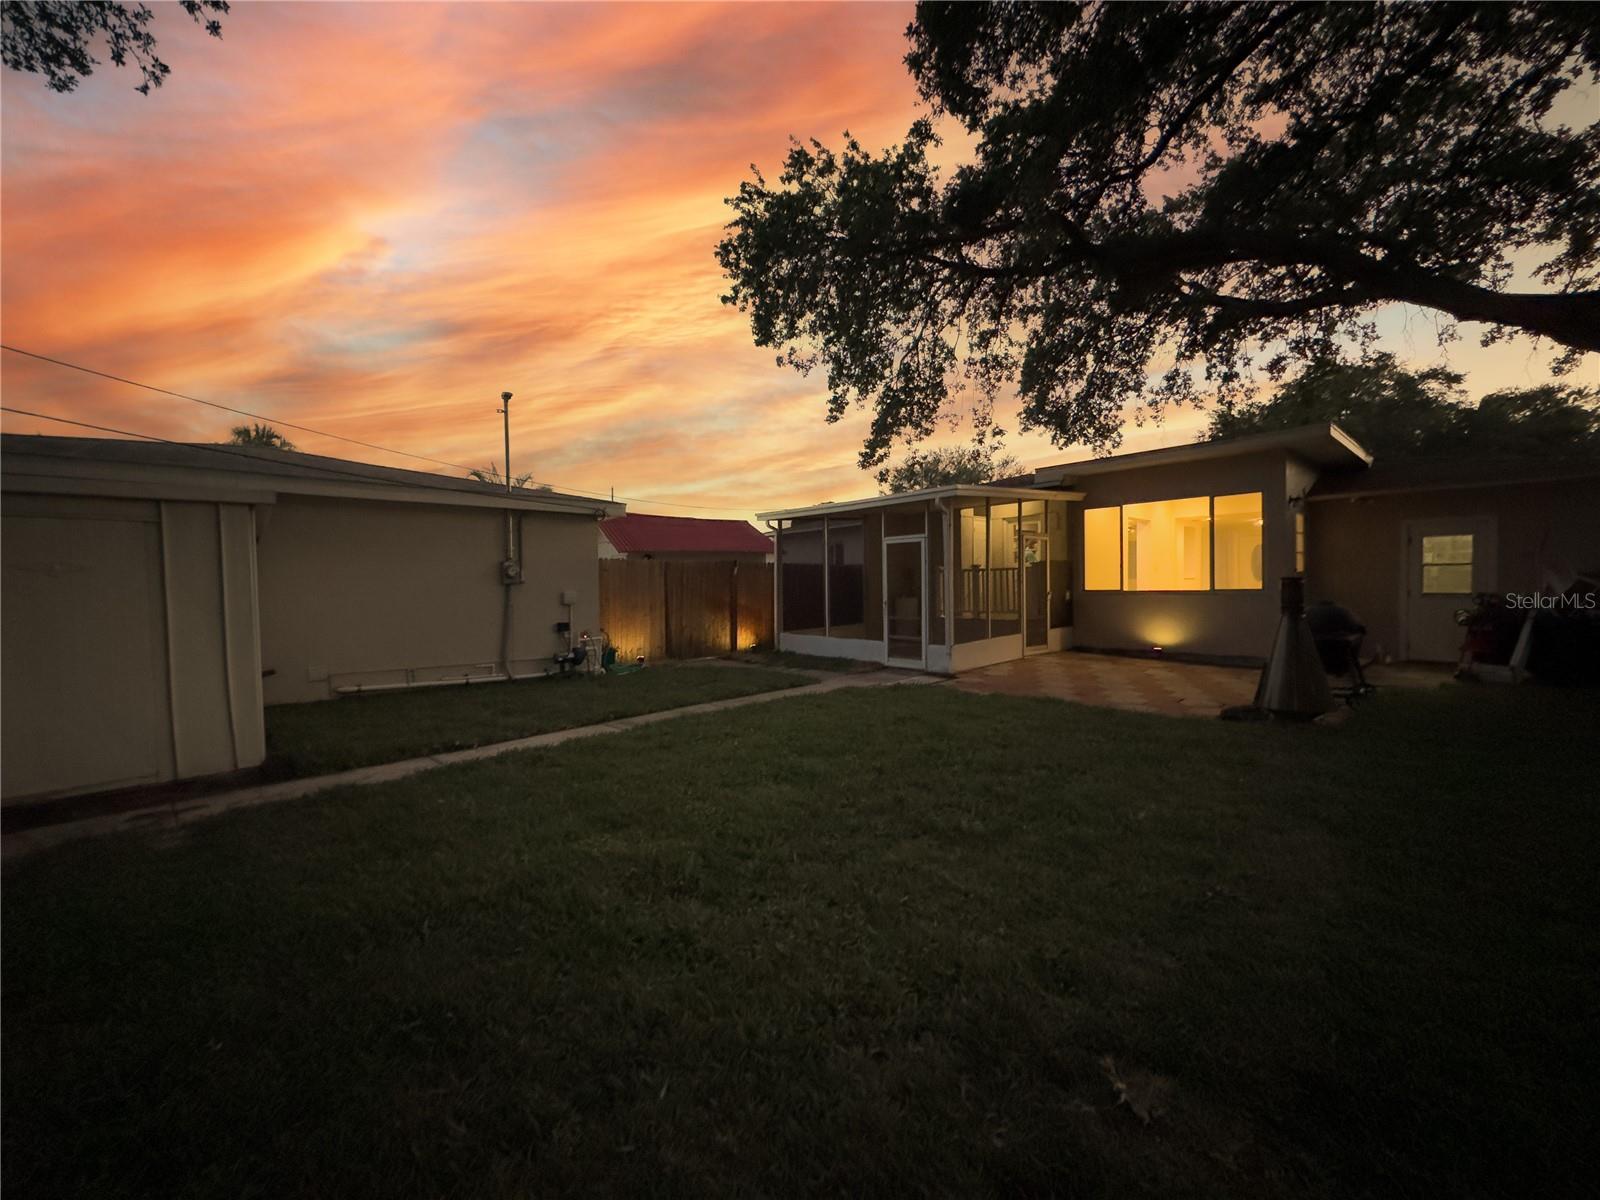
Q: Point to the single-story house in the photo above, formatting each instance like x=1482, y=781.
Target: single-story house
x=156, y=596
x=1407, y=545
x=682, y=539
x=1178, y=551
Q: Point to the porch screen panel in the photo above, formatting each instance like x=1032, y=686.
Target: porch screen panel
x=905, y=519
x=846, y=578
x=800, y=558
x=1036, y=583
x=1005, y=573
x=971, y=536
x=1060, y=568
x=872, y=539
x=935, y=582
x=1236, y=534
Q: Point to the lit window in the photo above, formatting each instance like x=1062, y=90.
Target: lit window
x=1447, y=565
x=1167, y=546
x=1102, y=555
x=1238, y=541
x=1299, y=543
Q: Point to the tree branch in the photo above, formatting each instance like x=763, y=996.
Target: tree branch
x=1223, y=74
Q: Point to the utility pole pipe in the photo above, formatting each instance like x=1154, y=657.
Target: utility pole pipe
x=505, y=409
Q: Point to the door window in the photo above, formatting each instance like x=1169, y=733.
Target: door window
x=1447, y=565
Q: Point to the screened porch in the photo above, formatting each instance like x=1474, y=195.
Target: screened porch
x=941, y=580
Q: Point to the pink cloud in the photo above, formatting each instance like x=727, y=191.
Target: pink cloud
x=372, y=219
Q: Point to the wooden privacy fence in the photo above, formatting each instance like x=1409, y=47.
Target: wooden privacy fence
x=685, y=609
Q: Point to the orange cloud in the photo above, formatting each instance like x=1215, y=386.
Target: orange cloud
x=372, y=219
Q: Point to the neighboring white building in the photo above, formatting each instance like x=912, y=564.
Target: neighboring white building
x=156, y=596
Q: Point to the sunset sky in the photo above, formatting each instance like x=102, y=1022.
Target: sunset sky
x=374, y=218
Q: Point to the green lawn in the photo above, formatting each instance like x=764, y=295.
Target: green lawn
x=875, y=942
x=380, y=727
x=805, y=662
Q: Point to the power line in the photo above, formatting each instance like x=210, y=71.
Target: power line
x=149, y=387
x=240, y=452
x=229, y=408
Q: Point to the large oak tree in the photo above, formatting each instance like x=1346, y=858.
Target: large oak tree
x=1167, y=201
x=57, y=38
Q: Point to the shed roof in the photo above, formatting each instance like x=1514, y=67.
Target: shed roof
x=645, y=533
x=32, y=461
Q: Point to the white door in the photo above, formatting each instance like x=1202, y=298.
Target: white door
x=1447, y=561
x=905, y=601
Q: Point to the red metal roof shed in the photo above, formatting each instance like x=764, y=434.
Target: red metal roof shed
x=640, y=533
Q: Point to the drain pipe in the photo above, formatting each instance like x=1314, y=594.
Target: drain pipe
x=777, y=583
x=510, y=576
x=358, y=689
x=511, y=564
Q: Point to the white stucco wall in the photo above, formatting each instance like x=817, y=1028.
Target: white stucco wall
x=1220, y=623
x=129, y=643
x=372, y=592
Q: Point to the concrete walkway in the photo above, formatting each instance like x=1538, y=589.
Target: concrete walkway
x=174, y=815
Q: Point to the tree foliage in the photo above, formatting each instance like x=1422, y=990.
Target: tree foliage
x=491, y=474
x=953, y=464
x=54, y=38
x=1165, y=201
x=1399, y=414
x=256, y=434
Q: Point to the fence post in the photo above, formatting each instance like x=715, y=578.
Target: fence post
x=666, y=608
x=733, y=608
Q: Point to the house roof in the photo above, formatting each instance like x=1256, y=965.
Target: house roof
x=1011, y=481
x=1325, y=445
x=977, y=491
x=644, y=533
x=1454, y=472
x=39, y=462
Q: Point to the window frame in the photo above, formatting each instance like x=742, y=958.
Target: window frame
x=1261, y=515
x=1211, y=547
x=1117, y=539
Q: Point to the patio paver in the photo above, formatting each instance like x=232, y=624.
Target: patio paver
x=1113, y=681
